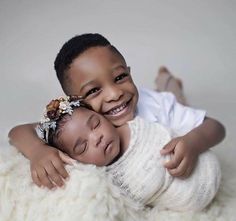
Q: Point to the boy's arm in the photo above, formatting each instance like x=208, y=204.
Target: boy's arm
x=46, y=162
x=186, y=148
x=25, y=139
x=206, y=135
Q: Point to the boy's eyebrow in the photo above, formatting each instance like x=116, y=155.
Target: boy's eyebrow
x=119, y=66
x=86, y=83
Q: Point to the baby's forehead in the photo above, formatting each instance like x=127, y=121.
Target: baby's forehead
x=86, y=117
x=82, y=111
x=83, y=115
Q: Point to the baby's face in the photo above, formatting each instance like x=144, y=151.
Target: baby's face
x=103, y=78
x=89, y=138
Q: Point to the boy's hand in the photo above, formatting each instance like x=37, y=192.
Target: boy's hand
x=183, y=157
x=47, y=167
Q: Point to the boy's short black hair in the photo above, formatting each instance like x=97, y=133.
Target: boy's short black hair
x=73, y=48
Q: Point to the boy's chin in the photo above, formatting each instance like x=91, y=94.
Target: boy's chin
x=119, y=121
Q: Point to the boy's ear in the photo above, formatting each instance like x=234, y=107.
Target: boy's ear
x=128, y=69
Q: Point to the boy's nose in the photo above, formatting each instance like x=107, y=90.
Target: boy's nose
x=113, y=93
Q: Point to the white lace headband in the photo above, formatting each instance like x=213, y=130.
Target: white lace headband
x=53, y=111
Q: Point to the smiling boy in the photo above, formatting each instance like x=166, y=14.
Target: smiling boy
x=89, y=66
x=102, y=77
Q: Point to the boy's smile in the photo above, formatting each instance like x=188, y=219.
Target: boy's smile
x=102, y=77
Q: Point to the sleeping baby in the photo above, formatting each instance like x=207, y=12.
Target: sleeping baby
x=131, y=155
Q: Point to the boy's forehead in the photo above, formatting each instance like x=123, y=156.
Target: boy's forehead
x=95, y=62
x=97, y=58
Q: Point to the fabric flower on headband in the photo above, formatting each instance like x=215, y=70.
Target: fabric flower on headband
x=54, y=110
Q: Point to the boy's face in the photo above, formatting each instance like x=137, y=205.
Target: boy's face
x=89, y=138
x=102, y=76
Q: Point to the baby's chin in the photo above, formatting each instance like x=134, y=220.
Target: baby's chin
x=98, y=164
x=110, y=159
x=117, y=156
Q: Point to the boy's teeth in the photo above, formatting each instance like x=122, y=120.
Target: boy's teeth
x=117, y=110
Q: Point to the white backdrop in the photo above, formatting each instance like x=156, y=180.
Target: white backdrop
x=194, y=39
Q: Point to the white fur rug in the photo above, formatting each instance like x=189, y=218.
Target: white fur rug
x=87, y=196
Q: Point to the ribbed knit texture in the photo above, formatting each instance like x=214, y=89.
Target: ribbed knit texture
x=143, y=180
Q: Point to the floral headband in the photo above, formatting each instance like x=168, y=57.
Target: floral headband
x=53, y=111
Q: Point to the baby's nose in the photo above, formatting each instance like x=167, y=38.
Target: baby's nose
x=96, y=139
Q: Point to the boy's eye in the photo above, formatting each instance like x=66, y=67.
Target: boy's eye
x=121, y=76
x=92, y=91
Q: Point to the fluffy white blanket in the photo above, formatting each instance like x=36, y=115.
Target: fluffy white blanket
x=88, y=196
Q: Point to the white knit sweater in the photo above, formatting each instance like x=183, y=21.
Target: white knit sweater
x=142, y=179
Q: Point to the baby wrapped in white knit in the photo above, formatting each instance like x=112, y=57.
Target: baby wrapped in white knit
x=134, y=165
x=140, y=174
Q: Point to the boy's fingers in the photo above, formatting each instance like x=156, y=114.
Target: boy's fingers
x=187, y=173
x=54, y=175
x=180, y=170
x=173, y=162
x=43, y=178
x=60, y=169
x=35, y=178
x=167, y=149
x=66, y=159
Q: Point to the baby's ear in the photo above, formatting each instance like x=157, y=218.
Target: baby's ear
x=128, y=67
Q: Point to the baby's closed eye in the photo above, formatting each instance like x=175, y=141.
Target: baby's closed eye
x=80, y=147
x=95, y=123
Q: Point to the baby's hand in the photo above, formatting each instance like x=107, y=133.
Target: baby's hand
x=183, y=157
x=47, y=167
